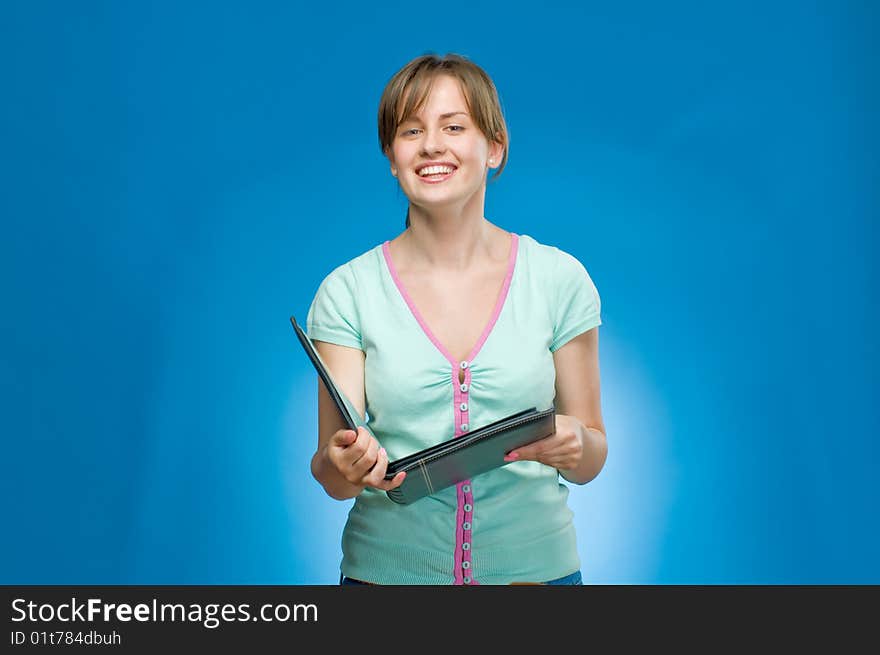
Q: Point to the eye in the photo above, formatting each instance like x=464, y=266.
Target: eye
x=409, y=132
x=456, y=128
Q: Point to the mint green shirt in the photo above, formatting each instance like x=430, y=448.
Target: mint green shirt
x=512, y=524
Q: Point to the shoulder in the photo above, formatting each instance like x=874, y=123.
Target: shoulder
x=553, y=262
x=335, y=313
x=355, y=270
x=571, y=297
x=343, y=285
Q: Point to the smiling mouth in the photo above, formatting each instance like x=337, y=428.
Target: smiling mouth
x=435, y=174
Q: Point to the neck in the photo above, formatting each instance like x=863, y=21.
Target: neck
x=448, y=238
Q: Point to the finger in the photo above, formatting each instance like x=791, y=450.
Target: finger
x=534, y=450
x=358, y=448
x=343, y=438
x=341, y=450
x=376, y=475
x=397, y=480
x=522, y=453
x=363, y=465
x=393, y=483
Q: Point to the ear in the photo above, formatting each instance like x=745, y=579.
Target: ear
x=496, y=153
x=391, y=161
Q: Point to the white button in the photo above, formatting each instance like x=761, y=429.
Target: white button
x=463, y=407
x=468, y=507
x=466, y=580
x=464, y=364
x=464, y=388
x=464, y=427
x=466, y=525
x=465, y=565
x=465, y=546
x=466, y=488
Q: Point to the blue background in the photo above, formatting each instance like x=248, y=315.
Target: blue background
x=177, y=179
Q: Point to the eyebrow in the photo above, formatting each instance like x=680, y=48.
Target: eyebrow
x=442, y=116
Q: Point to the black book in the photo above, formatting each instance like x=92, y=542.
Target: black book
x=453, y=460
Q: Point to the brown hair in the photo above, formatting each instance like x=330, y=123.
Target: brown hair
x=407, y=91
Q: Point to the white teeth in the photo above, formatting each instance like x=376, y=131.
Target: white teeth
x=435, y=170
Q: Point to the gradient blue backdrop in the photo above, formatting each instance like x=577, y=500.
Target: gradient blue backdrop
x=177, y=178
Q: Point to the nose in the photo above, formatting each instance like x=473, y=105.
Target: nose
x=433, y=143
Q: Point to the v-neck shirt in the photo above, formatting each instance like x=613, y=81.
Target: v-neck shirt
x=511, y=524
x=501, y=295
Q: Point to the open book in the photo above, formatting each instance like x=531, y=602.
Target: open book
x=453, y=460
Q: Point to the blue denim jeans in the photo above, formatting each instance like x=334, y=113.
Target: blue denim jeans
x=573, y=579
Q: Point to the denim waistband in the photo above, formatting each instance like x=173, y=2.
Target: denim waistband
x=571, y=579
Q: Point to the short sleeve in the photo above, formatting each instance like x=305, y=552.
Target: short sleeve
x=577, y=305
x=333, y=315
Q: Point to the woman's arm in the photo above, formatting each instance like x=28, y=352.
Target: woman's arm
x=578, y=448
x=347, y=461
x=346, y=366
x=578, y=396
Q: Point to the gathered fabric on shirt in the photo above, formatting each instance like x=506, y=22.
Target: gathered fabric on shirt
x=511, y=524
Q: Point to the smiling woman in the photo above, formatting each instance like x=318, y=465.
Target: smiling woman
x=450, y=326
x=442, y=124
x=434, y=98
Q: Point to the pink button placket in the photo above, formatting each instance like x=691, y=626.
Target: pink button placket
x=464, y=490
x=464, y=517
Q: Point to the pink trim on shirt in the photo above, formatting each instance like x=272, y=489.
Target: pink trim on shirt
x=459, y=494
x=499, y=303
x=511, y=264
x=458, y=397
x=386, y=250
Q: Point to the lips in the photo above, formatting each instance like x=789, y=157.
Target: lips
x=435, y=172
x=436, y=178
x=434, y=164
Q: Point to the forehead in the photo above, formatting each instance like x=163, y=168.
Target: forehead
x=444, y=96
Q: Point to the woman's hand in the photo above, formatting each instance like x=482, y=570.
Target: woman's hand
x=360, y=460
x=563, y=450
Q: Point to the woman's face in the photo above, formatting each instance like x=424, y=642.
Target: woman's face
x=439, y=155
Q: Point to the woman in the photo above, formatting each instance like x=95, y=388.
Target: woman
x=452, y=325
